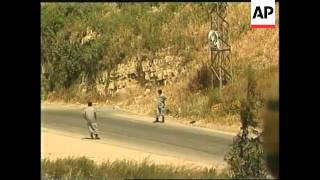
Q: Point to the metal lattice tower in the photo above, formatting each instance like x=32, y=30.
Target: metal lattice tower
x=220, y=57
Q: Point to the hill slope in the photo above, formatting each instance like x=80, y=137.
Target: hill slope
x=121, y=53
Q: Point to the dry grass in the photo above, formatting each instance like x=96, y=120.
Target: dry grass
x=84, y=168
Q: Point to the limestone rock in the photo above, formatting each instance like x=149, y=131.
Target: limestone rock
x=147, y=91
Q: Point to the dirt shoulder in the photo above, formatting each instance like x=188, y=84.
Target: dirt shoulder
x=58, y=144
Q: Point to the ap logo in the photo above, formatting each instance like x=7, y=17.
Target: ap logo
x=262, y=13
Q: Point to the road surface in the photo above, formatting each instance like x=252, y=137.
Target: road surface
x=122, y=129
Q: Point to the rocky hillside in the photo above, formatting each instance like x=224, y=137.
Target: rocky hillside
x=121, y=54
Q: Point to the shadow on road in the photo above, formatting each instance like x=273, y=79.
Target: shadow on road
x=89, y=138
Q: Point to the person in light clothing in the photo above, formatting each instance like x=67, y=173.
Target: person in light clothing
x=90, y=116
x=160, y=106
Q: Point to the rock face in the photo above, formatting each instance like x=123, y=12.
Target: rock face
x=161, y=70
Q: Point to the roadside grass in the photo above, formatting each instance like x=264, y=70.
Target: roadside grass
x=84, y=168
x=207, y=106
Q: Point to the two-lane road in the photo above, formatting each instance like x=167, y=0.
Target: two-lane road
x=188, y=143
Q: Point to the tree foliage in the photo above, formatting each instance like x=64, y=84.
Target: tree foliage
x=123, y=30
x=246, y=158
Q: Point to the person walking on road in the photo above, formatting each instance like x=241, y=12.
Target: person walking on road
x=90, y=116
x=160, y=106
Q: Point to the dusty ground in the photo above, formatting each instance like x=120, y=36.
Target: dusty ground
x=57, y=144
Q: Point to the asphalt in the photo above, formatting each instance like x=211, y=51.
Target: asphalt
x=170, y=139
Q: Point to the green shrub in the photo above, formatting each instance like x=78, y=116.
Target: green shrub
x=245, y=157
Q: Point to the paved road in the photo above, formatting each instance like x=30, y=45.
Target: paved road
x=169, y=139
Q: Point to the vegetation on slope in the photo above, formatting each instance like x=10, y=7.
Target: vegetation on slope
x=127, y=30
